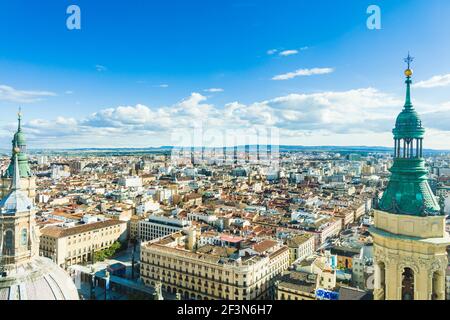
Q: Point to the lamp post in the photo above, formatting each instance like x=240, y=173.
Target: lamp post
x=133, y=259
x=106, y=281
x=92, y=283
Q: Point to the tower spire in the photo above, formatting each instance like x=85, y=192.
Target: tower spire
x=408, y=74
x=15, y=183
x=409, y=60
x=19, y=118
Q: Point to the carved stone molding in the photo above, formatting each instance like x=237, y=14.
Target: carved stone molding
x=380, y=256
x=408, y=262
x=438, y=265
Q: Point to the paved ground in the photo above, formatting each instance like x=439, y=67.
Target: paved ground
x=124, y=257
x=85, y=291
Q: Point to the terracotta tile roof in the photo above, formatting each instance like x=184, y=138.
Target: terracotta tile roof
x=61, y=232
x=264, y=245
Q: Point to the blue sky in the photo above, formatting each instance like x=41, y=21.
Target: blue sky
x=139, y=73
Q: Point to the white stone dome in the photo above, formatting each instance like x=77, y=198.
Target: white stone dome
x=39, y=279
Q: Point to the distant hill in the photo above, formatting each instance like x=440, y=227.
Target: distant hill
x=167, y=149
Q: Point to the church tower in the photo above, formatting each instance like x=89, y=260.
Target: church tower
x=24, y=275
x=409, y=234
x=27, y=180
x=19, y=240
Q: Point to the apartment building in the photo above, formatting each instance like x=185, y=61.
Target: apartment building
x=74, y=245
x=133, y=227
x=360, y=209
x=155, y=227
x=328, y=229
x=301, y=247
x=324, y=267
x=212, y=272
x=346, y=215
x=444, y=192
x=297, y=285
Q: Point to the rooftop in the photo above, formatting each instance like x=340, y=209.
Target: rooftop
x=61, y=232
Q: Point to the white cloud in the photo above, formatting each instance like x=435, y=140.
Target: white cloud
x=213, y=90
x=286, y=53
x=141, y=117
x=303, y=72
x=11, y=94
x=272, y=51
x=164, y=85
x=359, y=116
x=434, y=82
x=360, y=110
x=100, y=68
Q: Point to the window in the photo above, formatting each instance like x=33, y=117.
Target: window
x=8, y=242
x=24, y=237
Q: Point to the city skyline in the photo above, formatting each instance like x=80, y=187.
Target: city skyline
x=242, y=150
x=319, y=79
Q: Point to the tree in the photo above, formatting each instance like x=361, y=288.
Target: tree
x=107, y=253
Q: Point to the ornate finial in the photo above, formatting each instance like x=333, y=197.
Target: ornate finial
x=442, y=204
x=409, y=60
x=158, y=291
x=19, y=117
x=408, y=74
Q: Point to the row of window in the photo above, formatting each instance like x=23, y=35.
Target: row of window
x=160, y=260
x=89, y=248
x=210, y=289
x=292, y=297
x=111, y=230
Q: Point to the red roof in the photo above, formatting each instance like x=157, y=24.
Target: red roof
x=231, y=238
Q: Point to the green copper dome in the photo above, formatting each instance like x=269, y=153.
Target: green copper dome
x=408, y=124
x=20, y=142
x=19, y=138
x=408, y=191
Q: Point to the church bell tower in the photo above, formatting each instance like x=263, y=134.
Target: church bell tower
x=19, y=236
x=409, y=234
x=27, y=179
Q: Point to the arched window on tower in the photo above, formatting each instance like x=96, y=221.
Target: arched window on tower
x=381, y=280
x=437, y=283
x=408, y=284
x=9, y=243
x=24, y=237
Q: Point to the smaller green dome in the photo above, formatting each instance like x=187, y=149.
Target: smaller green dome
x=408, y=125
x=19, y=139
